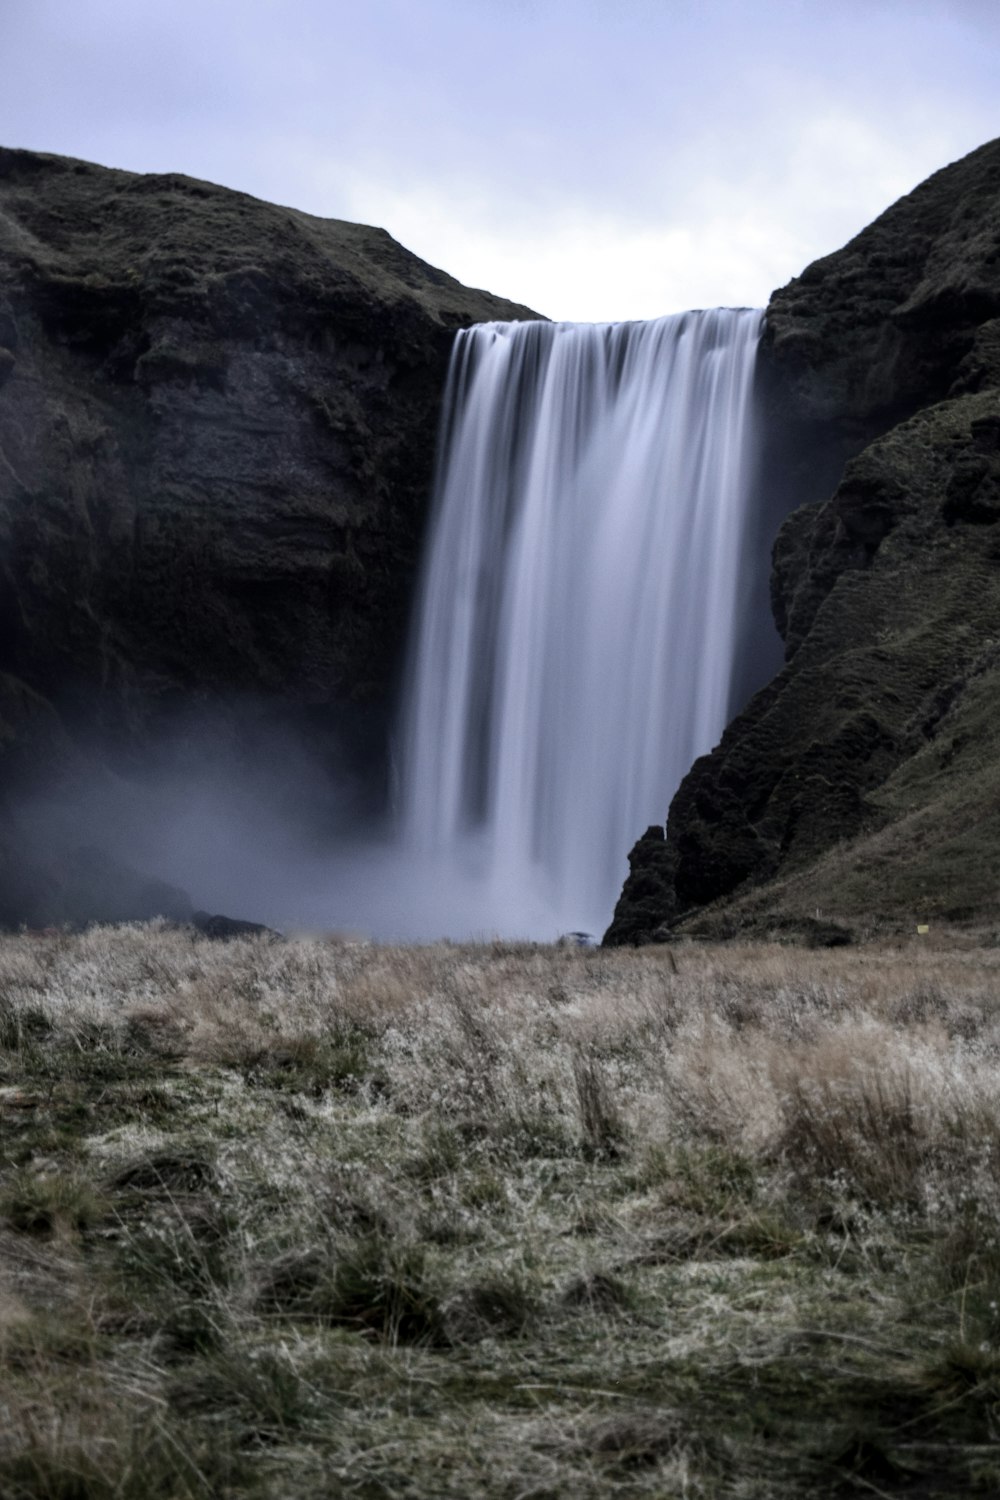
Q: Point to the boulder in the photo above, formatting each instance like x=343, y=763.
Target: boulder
x=223, y=928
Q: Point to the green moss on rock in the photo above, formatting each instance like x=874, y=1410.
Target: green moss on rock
x=217, y=427
x=861, y=783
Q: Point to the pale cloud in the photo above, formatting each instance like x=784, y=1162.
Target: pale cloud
x=594, y=160
x=589, y=268
x=727, y=241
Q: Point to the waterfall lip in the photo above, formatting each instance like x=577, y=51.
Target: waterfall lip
x=576, y=621
x=681, y=312
x=609, y=322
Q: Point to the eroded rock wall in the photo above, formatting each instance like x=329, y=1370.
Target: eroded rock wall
x=862, y=782
x=217, y=430
x=217, y=426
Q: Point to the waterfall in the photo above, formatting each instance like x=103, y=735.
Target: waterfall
x=576, y=624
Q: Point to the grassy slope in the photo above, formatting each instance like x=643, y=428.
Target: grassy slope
x=178, y=237
x=863, y=780
x=309, y=1219
x=885, y=587
x=933, y=861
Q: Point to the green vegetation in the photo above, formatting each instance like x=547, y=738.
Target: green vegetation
x=316, y=1218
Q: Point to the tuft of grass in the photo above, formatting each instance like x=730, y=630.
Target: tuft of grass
x=51, y=1203
x=605, y=1135
x=371, y=1283
x=315, y=1065
x=66, y=1338
x=381, y=1286
x=484, y=1192
x=180, y=1248
x=442, y=1152
x=258, y=1391
x=636, y=1439
x=707, y=1179
x=22, y=1026
x=504, y=1304
x=106, y=1456
x=862, y=1129
x=533, y=1132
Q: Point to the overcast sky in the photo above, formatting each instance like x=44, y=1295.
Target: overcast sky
x=596, y=159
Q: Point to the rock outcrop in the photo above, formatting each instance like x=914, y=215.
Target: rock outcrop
x=862, y=782
x=217, y=428
x=217, y=431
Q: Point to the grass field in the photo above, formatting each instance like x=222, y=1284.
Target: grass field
x=309, y=1219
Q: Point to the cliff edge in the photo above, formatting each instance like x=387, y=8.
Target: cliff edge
x=859, y=788
x=217, y=431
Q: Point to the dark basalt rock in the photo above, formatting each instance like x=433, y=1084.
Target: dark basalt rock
x=94, y=887
x=904, y=315
x=223, y=928
x=217, y=431
x=217, y=428
x=863, y=780
x=647, y=900
x=80, y=887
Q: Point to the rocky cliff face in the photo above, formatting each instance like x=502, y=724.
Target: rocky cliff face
x=862, y=783
x=217, y=427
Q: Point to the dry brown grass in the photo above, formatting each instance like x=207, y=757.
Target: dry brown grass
x=311, y=1217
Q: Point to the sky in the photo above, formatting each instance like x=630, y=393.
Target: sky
x=595, y=159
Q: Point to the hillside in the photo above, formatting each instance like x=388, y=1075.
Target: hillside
x=217, y=429
x=860, y=785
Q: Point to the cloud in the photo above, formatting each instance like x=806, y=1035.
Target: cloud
x=722, y=238
x=593, y=160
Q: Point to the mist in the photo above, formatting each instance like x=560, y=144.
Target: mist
x=274, y=833
x=593, y=608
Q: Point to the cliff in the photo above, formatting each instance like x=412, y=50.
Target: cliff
x=217, y=429
x=861, y=784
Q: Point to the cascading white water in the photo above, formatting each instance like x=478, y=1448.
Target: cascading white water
x=577, y=619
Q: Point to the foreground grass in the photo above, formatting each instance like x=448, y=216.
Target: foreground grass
x=311, y=1219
